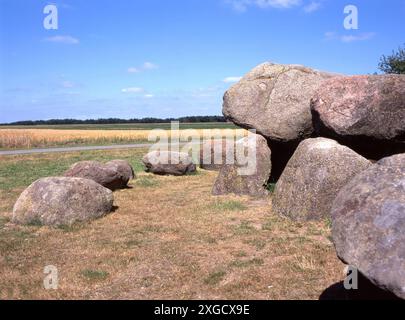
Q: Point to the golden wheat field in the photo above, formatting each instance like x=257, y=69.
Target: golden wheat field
x=34, y=138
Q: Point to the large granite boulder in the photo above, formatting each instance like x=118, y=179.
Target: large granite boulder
x=123, y=168
x=168, y=163
x=62, y=201
x=213, y=153
x=111, y=176
x=314, y=175
x=275, y=100
x=366, y=113
x=397, y=160
x=250, y=170
x=368, y=224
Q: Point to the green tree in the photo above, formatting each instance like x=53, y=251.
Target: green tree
x=395, y=63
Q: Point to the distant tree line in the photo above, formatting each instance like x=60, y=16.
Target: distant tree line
x=191, y=119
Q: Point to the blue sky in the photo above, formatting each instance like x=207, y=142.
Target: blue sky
x=160, y=58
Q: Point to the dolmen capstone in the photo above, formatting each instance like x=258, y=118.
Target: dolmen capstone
x=366, y=112
x=275, y=100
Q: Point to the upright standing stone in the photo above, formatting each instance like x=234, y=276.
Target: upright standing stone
x=314, y=175
x=250, y=172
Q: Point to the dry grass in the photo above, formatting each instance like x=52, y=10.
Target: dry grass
x=33, y=138
x=169, y=239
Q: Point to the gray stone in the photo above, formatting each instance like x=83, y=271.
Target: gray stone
x=109, y=176
x=247, y=177
x=368, y=224
x=314, y=175
x=168, y=163
x=275, y=99
x=397, y=160
x=62, y=201
x=365, y=112
x=123, y=168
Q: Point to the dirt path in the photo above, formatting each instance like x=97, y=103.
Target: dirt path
x=72, y=149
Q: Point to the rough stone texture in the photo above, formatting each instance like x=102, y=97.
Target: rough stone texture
x=397, y=160
x=168, y=163
x=62, y=201
x=123, y=168
x=275, y=99
x=365, y=112
x=213, y=154
x=314, y=175
x=107, y=175
x=237, y=178
x=368, y=224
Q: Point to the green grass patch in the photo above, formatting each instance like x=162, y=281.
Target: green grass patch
x=267, y=226
x=215, y=277
x=77, y=226
x=20, y=171
x=230, y=205
x=94, y=275
x=13, y=240
x=247, y=263
x=271, y=187
x=259, y=244
x=3, y=221
x=240, y=254
x=134, y=243
x=146, y=182
x=243, y=228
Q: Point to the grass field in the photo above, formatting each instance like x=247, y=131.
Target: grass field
x=168, y=239
x=26, y=138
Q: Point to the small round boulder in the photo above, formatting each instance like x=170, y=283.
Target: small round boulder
x=59, y=201
x=168, y=163
x=123, y=168
x=108, y=176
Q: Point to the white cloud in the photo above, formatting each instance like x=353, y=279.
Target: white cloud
x=149, y=66
x=277, y=3
x=149, y=96
x=360, y=37
x=62, y=39
x=145, y=67
x=68, y=84
x=312, y=7
x=133, y=70
x=242, y=5
x=350, y=37
x=231, y=79
x=133, y=90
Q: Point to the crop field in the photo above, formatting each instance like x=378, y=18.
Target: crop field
x=25, y=138
x=168, y=238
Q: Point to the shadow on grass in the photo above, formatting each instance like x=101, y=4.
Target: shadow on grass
x=366, y=291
